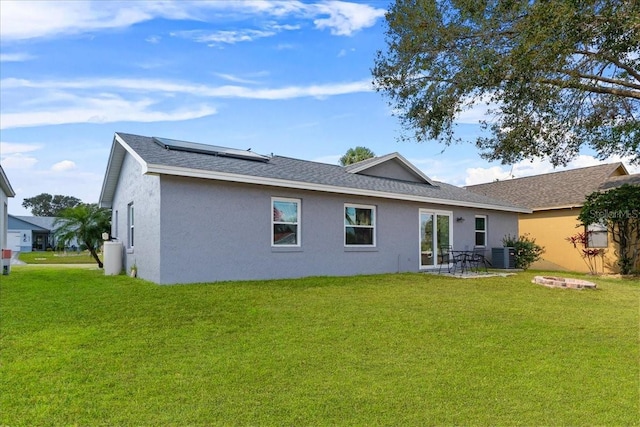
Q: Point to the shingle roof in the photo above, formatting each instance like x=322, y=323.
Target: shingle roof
x=552, y=190
x=617, y=181
x=45, y=222
x=284, y=170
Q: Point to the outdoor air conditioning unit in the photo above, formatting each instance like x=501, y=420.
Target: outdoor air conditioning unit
x=503, y=257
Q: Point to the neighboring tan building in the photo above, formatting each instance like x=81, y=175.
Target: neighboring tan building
x=556, y=199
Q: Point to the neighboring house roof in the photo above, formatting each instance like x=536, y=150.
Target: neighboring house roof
x=554, y=190
x=37, y=223
x=617, y=181
x=287, y=172
x=5, y=185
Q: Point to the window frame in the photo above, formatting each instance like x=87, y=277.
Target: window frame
x=436, y=244
x=298, y=222
x=116, y=232
x=596, y=229
x=130, y=226
x=476, y=231
x=373, y=226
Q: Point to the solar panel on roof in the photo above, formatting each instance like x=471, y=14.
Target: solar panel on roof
x=214, y=150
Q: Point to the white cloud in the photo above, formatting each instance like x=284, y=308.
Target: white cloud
x=18, y=161
x=344, y=52
x=63, y=166
x=482, y=175
x=7, y=148
x=15, y=57
x=25, y=19
x=228, y=91
x=21, y=20
x=14, y=155
x=227, y=37
x=346, y=18
x=235, y=79
x=112, y=100
x=103, y=108
x=153, y=39
x=537, y=167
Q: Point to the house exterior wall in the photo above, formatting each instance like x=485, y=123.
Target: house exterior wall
x=24, y=240
x=4, y=218
x=213, y=231
x=14, y=239
x=144, y=192
x=551, y=228
x=499, y=224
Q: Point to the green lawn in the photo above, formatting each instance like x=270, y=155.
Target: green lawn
x=50, y=257
x=79, y=348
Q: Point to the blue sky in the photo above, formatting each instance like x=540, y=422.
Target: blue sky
x=284, y=77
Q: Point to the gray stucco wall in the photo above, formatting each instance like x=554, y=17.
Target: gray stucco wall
x=4, y=220
x=144, y=192
x=213, y=231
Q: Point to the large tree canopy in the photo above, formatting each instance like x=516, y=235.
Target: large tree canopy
x=556, y=76
x=47, y=205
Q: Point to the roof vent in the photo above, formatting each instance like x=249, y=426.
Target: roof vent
x=194, y=147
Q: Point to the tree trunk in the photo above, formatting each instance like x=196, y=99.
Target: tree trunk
x=94, y=254
x=624, y=261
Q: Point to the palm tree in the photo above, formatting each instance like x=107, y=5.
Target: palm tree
x=355, y=155
x=86, y=223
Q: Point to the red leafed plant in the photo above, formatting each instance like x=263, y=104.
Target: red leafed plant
x=590, y=256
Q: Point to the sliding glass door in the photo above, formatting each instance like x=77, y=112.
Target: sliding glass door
x=435, y=232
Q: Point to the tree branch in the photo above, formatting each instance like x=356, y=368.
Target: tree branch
x=632, y=72
x=603, y=79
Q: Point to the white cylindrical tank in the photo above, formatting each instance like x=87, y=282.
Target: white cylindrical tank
x=112, y=258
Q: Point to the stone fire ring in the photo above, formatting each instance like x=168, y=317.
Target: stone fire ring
x=563, y=282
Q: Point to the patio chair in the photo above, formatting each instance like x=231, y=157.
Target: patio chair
x=444, y=255
x=477, y=260
x=453, y=260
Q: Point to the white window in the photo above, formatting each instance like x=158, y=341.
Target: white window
x=597, y=236
x=130, y=223
x=481, y=230
x=359, y=225
x=285, y=222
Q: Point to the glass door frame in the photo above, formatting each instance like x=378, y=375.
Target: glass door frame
x=435, y=244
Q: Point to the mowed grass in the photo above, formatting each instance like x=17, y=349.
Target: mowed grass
x=79, y=348
x=51, y=257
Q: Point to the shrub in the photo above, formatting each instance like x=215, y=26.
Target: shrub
x=580, y=241
x=527, y=251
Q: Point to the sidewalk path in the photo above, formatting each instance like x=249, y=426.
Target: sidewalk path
x=16, y=261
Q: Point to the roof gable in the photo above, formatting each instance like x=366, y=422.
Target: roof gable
x=37, y=223
x=555, y=190
x=391, y=166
